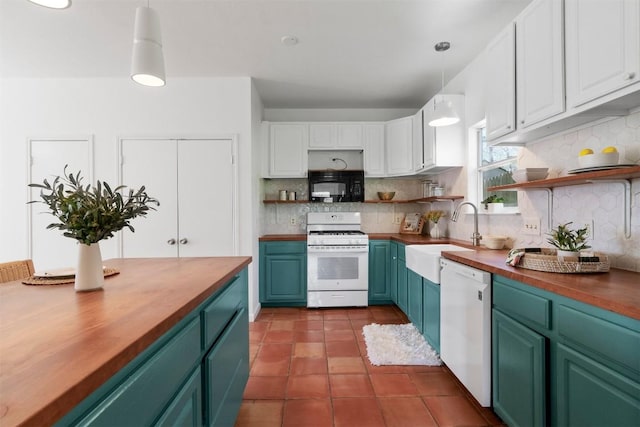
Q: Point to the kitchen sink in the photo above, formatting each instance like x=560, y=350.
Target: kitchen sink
x=425, y=259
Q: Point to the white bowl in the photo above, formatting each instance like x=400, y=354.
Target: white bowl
x=494, y=242
x=529, y=174
x=598, y=159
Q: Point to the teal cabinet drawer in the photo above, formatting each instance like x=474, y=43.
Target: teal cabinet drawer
x=186, y=409
x=602, y=338
x=531, y=309
x=227, y=372
x=279, y=248
x=591, y=394
x=219, y=312
x=140, y=399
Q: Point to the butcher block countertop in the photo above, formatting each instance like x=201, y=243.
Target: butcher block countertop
x=617, y=290
x=57, y=346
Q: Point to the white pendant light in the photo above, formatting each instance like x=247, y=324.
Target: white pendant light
x=53, y=4
x=444, y=114
x=147, y=62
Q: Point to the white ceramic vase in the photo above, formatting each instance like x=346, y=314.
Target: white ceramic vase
x=89, y=274
x=569, y=254
x=435, y=231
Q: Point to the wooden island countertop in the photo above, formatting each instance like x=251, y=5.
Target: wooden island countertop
x=57, y=346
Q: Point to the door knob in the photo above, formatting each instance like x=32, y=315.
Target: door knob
x=183, y=241
x=171, y=241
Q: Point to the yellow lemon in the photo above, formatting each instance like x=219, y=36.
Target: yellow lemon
x=586, y=151
x=609, y=150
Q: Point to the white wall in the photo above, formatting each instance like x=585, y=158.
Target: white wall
x=113, y=108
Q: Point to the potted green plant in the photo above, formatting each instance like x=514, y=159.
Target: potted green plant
x=90, y=214
x=493, y=203
x=568, y=242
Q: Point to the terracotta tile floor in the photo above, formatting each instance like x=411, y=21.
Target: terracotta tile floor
x=309, y=367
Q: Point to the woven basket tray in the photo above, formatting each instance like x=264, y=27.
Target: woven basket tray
x=547, y=260
x=39, y=281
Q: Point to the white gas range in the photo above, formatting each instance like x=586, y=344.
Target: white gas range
x=337, y=260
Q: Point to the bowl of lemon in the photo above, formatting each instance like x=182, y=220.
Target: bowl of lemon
x=587, y=158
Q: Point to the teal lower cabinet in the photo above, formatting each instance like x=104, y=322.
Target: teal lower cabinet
x=431, y=313
x=519, y=372
x=414, y=299
x=193, y=375
x=283, y=273
x=379, y=272
x=591, y=394
x=393, y=276
x=402, y=280
x=560, y=362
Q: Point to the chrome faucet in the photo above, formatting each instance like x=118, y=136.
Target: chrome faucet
x=476, y=237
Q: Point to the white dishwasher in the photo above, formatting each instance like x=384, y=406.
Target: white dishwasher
x=465, y=326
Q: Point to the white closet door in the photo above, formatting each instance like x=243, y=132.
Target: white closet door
x=152, y=163
x=49, y=248
x=206, y=206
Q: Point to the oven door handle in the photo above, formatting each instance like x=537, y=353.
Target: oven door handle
x=315, y=250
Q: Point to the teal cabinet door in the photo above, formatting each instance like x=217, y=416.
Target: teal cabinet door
x=379, y=272
x=393, y=276
x=402, y=278
x=431, y=313
x=283, y=273
x=591, y=394
x=519, y=372
x=226, y=370
x=186, y=408
x=414, y=298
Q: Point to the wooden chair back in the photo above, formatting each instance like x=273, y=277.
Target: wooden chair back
x=16, y=270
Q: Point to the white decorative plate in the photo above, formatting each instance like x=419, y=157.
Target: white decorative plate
x=601, y=168
x=56, y=274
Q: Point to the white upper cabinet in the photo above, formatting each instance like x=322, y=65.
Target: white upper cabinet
x=539, y=62
x=399, y=146
x=418, y=140
x=603, y=47
x=501, y=85
x=373, y=136
x=288, y=144
x=342, y=136
x=443, y=147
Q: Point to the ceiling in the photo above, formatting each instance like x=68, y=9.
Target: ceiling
x=351, y=53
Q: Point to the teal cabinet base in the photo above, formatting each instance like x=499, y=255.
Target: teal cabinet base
x=431, y=313
x=379, y=272
x=283, y=274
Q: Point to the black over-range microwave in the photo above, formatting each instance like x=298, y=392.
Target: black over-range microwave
x=336, y=186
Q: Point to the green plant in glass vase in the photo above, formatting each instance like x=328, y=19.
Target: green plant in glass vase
x=90, y=214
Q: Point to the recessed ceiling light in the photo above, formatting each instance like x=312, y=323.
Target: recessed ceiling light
x=289, y=40
x=53, y=4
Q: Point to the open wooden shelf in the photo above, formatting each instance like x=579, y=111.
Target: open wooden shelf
x=576, y=179
x=421, y=200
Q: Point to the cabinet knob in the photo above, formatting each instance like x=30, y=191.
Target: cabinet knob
x=521, y=122
x=171, y=241
x=629, y=76
x=183, y=241
x=508, y=126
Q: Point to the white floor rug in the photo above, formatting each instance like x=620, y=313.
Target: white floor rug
x=398, y=345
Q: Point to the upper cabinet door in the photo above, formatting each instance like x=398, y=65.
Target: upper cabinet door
x=322, y=136
x=399, y=146
x=539, y=63
x=288, y=150
x=603, y=47
x=501, y=85
x=418, y=140
x=349, y=135
x=373, y=135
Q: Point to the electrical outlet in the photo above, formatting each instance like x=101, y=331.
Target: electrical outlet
x=292, y=220
x=531, y=225
x=590, y=229
x=397, y=219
